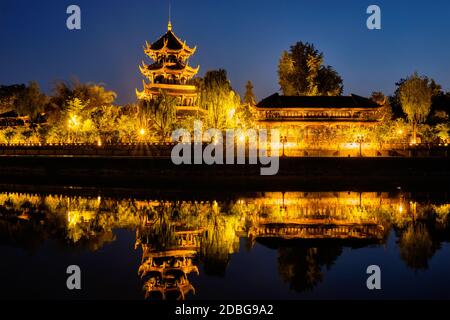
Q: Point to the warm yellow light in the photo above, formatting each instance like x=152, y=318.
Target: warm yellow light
x=400, y=131
x=99, y=143
x=231, y=113
x=241, y=138
x=73, y=121
x=142, y=131
x=400, y=208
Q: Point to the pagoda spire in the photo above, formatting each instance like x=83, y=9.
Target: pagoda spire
x=169, y=24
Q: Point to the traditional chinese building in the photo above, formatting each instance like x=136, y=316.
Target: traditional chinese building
x=166, y=269
x=317, y=110
x=315, y=122
x=170, y=72
x=315, y=216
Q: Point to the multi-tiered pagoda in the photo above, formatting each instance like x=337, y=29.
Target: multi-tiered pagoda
x=170, y=72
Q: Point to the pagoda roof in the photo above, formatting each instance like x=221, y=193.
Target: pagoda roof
x=277, y=101
x=170, y=68
x=169, y=42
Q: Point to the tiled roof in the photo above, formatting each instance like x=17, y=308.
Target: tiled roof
x=353, y=101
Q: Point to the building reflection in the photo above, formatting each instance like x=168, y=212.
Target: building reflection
x=167, y=261
x=179, y=239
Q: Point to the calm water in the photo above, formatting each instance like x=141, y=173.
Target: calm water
x=291, y=245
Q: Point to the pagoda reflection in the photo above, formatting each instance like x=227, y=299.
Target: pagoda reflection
x=166, y=265
x=180, y=239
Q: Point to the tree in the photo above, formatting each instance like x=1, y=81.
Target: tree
x=385, y=114
x=249, y=96
x=416, y=247
x=160, y=113
x=25, y=100
x=9, y=96
x=415, y=95
x=31, y=101
x=105, y=120
x=9, y=135
x=301, y=72
x=76, y=125
x=91, y=94
x=128, y=128
x=219, y=99
x=443, y=131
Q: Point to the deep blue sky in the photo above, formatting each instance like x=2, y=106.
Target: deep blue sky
x=246, y=37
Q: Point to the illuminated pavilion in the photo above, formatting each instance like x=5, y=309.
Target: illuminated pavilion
x=170, y=72
x=308, y=113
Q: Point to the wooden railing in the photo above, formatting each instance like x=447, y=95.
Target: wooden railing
x=158, y=149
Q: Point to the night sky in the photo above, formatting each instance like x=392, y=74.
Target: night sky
x=246, y=37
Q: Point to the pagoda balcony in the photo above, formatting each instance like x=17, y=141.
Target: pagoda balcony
x=319, y=116
x=171, y=87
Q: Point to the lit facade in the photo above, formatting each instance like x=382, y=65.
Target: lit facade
x=312, y=112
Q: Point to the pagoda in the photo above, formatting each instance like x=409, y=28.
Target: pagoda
x=170, y=72
x=165, y=266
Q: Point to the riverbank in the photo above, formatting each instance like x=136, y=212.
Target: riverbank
x=294, y=173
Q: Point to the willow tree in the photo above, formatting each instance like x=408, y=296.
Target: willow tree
x=415, y=95
x=160, y=114
x=219, y=99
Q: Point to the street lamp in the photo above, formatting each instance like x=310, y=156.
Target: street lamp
x=360, y=140
x=283, y=141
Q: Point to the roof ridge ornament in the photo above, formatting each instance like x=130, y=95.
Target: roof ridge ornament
x=169, y=25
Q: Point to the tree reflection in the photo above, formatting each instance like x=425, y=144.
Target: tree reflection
x=177, y=237
x=416, y=247
x=302, y=266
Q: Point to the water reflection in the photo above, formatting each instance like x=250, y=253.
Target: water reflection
x=178, y=237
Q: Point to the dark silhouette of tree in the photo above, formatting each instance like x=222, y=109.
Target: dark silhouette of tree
x=301, y=72
x=91, y=94
x=25, y=100
x=301, y=266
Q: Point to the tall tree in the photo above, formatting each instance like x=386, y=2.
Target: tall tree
x=415, y=95
x=219, y=99
x=301, y=72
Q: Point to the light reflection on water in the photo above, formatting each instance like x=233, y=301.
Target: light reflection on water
x=267, y=245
